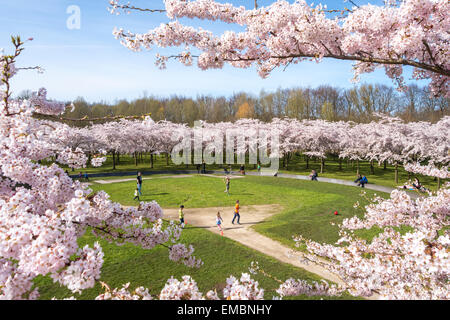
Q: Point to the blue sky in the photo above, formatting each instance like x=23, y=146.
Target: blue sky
x=90, y=63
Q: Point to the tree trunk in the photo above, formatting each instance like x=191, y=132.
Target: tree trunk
x=167, y=158
x=384, y=164
x=114, y=160
x=396, y=172
x=136, y=159
x=118, y=158
x=89, y=159
x=357, y=166
x=287, y=160
x=340, y=164
x=322, y=165
x=151, y=160
x=307, y=162
x=372, y=169
x=439, y=180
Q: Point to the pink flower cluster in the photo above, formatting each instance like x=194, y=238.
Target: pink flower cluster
x=244, y=289
x=292, y=287
x=429, y=170
x=139, y=293
x=184, y=290
x=72, y=158
x=187, y=289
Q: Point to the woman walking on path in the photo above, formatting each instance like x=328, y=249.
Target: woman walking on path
x=139, y=183
x=227, y=185
x=219, y=221
x=181, y=216
x=236, y=213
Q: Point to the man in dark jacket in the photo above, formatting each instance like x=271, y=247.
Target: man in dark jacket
x=139, y=183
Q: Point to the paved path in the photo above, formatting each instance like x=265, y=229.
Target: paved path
x=335, y=181
x=164, y=177
x=220, y=174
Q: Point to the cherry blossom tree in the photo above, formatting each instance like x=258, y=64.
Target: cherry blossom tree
x=411, y=33
x=43, y=211
x=394, y=265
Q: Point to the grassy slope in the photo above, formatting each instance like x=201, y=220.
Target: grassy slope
x=308, y=210
x=152, y=268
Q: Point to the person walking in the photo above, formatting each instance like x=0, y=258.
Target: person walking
x=86, y=176
x=219, y=222
x=181, y=216
x=227, y=185
x=236, y=213
x=259, y=167
x=313, y=175
x=136, y=194
x=139, y=183
x=203, y=167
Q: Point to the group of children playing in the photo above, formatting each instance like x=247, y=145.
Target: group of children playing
x=219, y=219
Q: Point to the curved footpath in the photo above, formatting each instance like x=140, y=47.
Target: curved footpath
x=250, y=215
x=187, y=173
x=243, y=233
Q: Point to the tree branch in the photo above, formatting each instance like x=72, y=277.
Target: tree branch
x=420, y=65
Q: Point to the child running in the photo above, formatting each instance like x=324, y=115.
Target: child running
x=181, y=215
x=236, y=213
x=227, y=184
x=136, y=194
x=219, y=221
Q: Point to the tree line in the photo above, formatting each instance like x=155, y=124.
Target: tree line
x=325, y=102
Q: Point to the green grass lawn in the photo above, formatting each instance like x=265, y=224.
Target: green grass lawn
x=309, y=208
x=151, y=268
x=308, y=205
x=297, y=165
